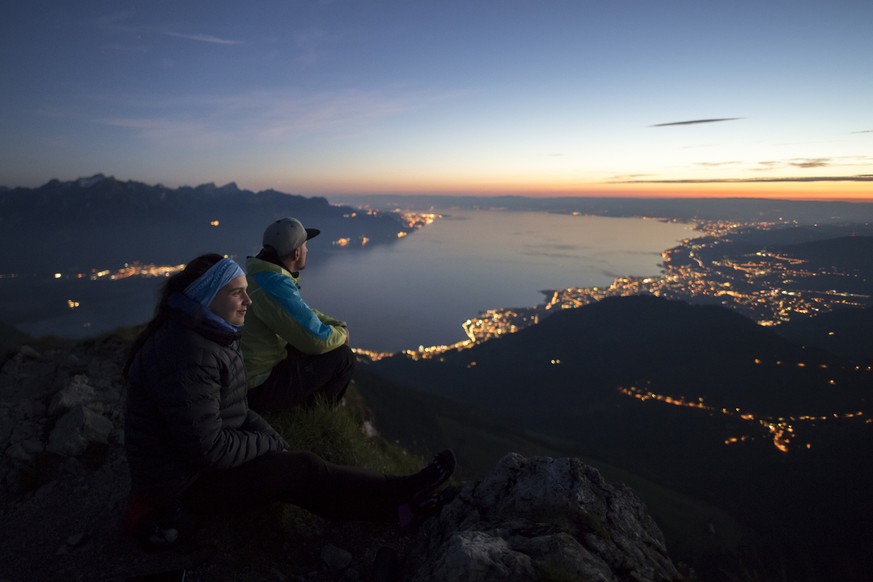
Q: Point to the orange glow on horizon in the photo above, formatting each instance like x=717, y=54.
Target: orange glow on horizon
x=812, y=191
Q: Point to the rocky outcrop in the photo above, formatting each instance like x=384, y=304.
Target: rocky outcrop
x=57, y=408
x=541, y=519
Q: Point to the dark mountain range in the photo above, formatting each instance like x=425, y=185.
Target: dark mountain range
x=697, y=399
x=101, y=222
x=740, y=209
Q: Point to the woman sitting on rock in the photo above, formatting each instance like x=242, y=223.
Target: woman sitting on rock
x=193, y=445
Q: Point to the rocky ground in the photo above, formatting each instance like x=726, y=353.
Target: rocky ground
x=64, y=485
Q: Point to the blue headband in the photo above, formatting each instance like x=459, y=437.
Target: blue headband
x=204, y=289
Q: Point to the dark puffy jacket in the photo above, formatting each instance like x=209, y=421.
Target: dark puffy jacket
x=187, y=410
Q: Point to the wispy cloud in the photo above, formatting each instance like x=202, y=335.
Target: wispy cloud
x=696, y=121
x=772, y=166
x=718, y=164
x=858, y=178
x=120, y=22
x=267, y=116
x=200, y=38
x=811, y=163
x=289, y=115
x=628, y=178
x=164, y=129
x=862, y=131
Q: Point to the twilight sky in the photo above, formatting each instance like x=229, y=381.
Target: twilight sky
x=624, y=97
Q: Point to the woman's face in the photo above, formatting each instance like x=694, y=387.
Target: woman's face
x=232, y=301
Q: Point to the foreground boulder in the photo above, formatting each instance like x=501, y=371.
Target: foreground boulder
x=541, y=518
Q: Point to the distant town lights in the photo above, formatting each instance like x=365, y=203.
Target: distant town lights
x=215, y=223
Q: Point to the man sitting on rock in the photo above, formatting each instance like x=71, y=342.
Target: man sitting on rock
x=292, y=352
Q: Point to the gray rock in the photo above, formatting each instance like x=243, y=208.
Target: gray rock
x=541, y=518
x=78, y=391
x=27, y=352
x=76, y=429
x=335, y=558
x=29, y=378
x=25, y=450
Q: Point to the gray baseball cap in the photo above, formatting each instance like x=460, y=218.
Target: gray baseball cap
x=287, y=234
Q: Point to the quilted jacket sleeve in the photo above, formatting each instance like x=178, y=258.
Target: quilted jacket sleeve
x=255, y=422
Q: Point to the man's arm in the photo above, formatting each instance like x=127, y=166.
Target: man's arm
x=282, y=309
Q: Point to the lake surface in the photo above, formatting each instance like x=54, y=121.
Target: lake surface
x=420, y=291
x=416, y=291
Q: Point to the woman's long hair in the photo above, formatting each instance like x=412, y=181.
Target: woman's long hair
x=176, y=283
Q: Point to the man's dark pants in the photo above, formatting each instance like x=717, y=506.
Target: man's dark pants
x=301, y=378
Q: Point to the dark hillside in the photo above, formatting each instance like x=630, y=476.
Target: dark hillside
x=423, y=422
x=844, y=263
x=847, y=332
x=712, y=405
x=692, y=351
x=10, y=339
x=854, y=253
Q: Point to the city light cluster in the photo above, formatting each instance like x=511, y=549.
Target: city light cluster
x=780, y=430
x=136, y=269
x=765, y=286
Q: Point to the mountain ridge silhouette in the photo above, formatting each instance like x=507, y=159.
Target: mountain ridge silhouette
x=101, y=222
